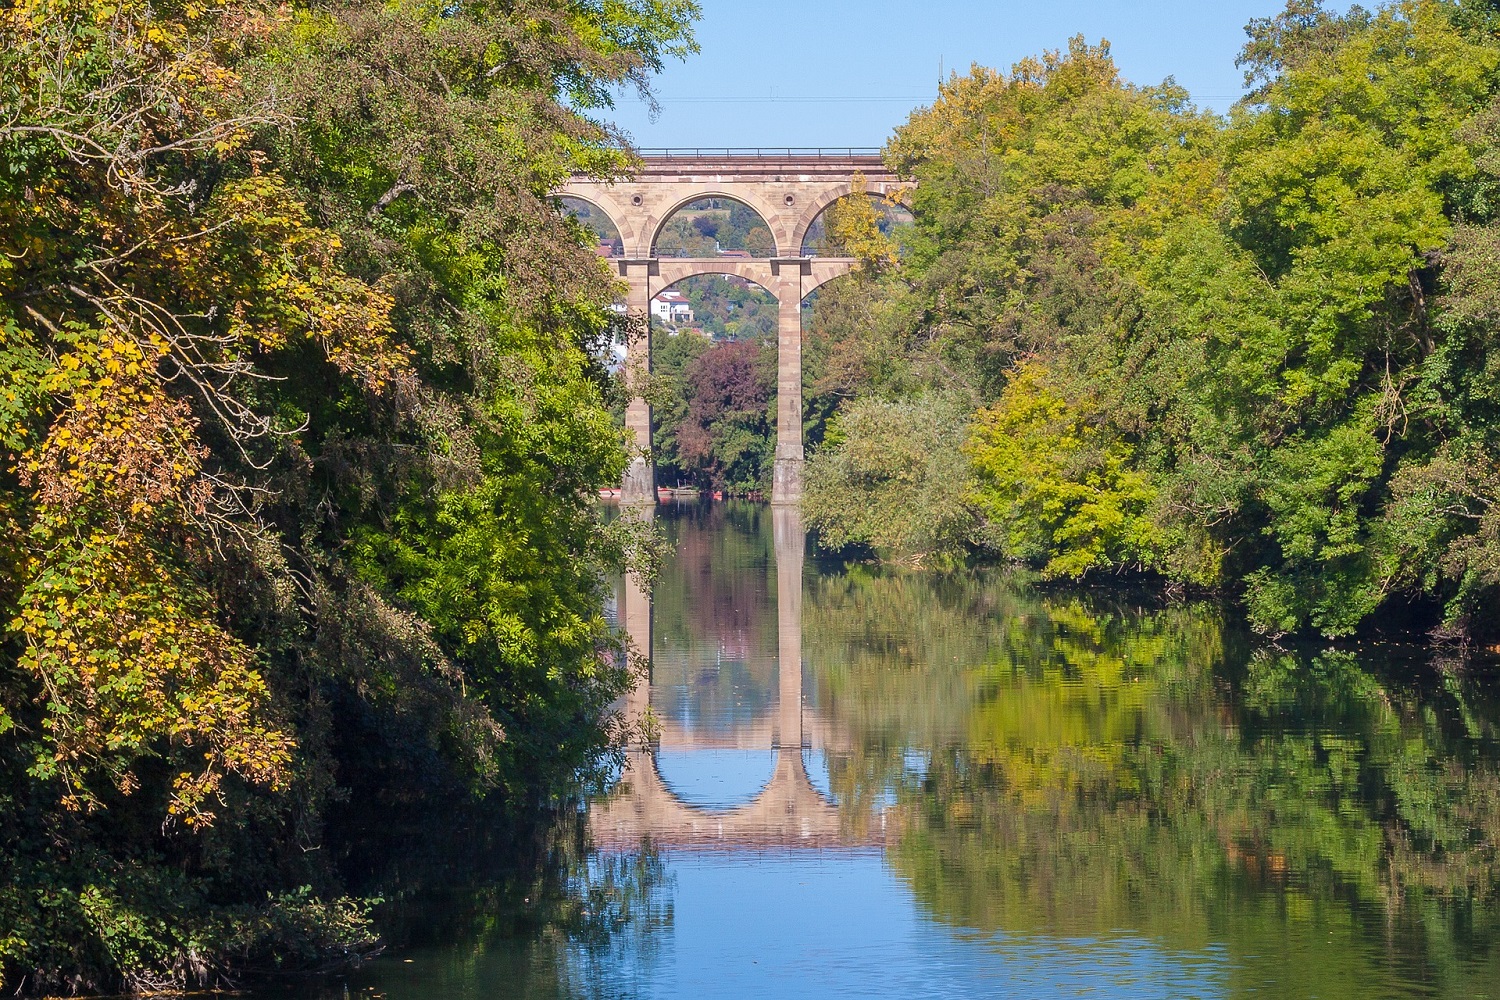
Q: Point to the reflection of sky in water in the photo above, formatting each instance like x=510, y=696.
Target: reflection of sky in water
x=843, y=925
x=724, y=779
x=715, y=779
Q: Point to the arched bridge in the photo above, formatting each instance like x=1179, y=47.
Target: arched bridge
x=789, y=189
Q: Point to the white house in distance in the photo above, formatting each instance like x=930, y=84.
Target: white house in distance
x=672, y=307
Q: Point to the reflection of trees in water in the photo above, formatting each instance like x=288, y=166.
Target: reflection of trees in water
x=700, y=600
x=571, y=924
x=621, y=913
x=1096, y=767
x=715, y=613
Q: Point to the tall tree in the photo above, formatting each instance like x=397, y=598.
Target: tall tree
x=1244, y=352
x=301, y=394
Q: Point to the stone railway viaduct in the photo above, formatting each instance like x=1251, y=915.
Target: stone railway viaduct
x=789, y=189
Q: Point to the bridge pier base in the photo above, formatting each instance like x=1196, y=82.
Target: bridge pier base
x=639, y=485
x=786, y=488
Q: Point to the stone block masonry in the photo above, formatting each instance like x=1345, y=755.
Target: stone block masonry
x=790, y=190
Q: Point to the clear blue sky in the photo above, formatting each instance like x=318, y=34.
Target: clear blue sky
x=846, y=72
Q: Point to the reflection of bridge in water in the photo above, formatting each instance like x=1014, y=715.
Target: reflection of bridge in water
x=789, y=811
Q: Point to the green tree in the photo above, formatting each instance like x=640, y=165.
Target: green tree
x=1264, y=338
x=892, y=475
x=671, y=355
x=292, y=336
x=1058, y=483
x=726, y=439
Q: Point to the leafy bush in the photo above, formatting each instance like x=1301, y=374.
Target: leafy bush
x=892, y=475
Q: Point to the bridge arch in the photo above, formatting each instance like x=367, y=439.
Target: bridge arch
x=672, y=271
x=822, y=204
x=757, y=304
x=762, y=211
x=739, y=777
x=820, y=278
x=816, y=206
x=789, y=811
x=599, y=202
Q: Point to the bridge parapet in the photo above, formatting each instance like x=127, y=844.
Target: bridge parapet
x=761, y=152
x=762, y=166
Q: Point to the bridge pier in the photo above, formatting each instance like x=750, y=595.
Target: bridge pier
x=639, y=486
x=786, y=487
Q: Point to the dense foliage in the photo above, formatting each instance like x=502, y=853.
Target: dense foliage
x=716, y=418
x=301, y=408
x=1253, y=353
x=726, y=307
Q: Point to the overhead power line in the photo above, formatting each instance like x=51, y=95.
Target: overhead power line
x=790, y=100
x=924, y=98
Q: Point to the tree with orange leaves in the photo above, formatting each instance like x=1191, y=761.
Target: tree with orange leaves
x=299, y=406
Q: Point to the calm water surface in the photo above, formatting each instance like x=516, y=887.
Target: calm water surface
x=866, y=782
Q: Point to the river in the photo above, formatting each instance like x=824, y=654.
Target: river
x=869, y=782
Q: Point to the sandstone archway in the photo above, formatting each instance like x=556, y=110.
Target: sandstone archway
x=751, y=232
x=597, y=219
x=789, y=189
x=815, y=241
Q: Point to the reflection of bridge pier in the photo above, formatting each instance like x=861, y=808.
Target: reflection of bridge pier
x=789, y=190
x=635, y=619
x=790, y=541
x=788, y=811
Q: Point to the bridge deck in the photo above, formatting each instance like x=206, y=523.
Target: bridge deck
x=826, y=152
x=759, y=165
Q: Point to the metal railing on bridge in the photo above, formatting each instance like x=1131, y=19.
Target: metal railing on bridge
x=758, y=152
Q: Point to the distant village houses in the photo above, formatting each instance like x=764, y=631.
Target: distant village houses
x=672, y=307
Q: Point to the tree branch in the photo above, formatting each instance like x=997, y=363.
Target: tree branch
x=396, y=191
